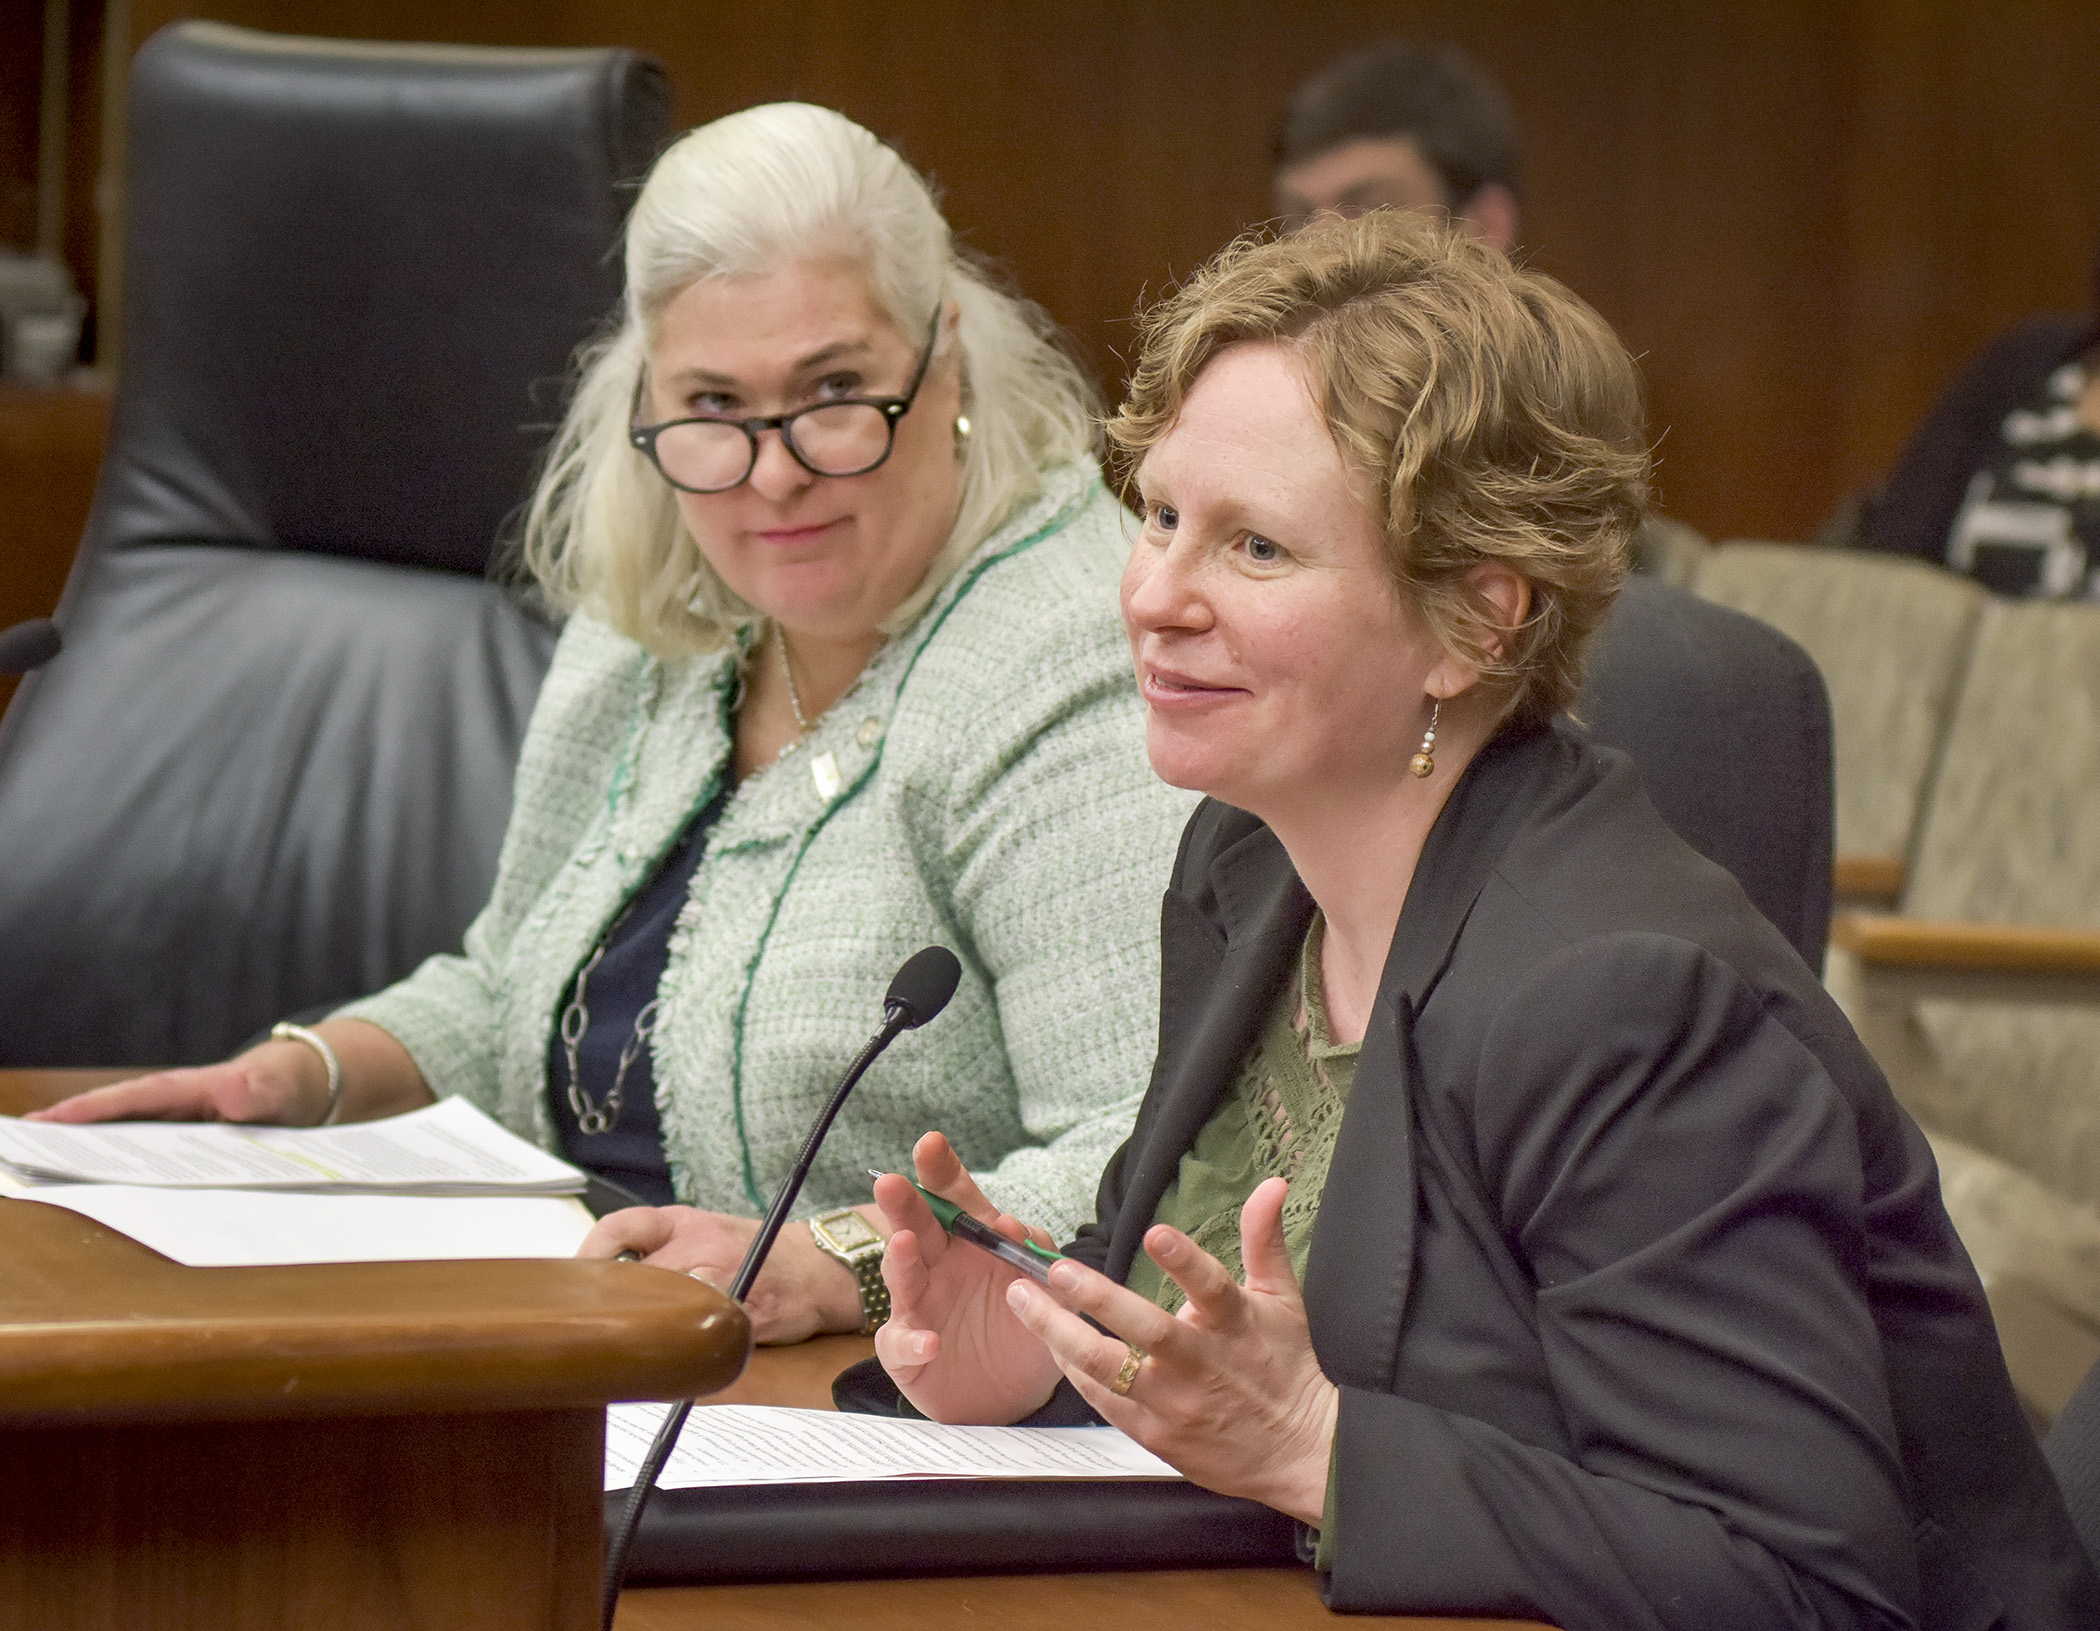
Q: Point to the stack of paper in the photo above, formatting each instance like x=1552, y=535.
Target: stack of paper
x=441, y=1182
x=448, y=1148
x=769, y=1444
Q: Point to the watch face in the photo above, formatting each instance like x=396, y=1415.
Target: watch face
x=848, y=1231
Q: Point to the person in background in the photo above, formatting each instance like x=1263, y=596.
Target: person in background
x=2001, y=480
x=1510, y=1205
x=1399, y=126
x=842, y=675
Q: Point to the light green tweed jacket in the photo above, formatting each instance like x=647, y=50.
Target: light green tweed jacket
x=992, y=794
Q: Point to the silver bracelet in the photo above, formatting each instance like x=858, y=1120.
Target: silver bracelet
x=285, y=1031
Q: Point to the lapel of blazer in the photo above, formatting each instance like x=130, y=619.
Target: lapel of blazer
x=1361, y=1265
x=1225, y=949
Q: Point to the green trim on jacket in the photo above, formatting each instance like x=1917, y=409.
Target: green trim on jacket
x=992, y=795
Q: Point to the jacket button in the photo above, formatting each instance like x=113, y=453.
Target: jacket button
x=870, y=729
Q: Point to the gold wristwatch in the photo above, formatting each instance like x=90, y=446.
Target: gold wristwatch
x=852, y=1239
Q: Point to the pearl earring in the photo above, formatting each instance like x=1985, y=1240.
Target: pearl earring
x=1425, y=761
x=962, y=432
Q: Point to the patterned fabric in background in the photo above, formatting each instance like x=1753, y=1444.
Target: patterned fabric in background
x=2030, y=522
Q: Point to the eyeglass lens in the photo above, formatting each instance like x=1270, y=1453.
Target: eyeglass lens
x=832, y=439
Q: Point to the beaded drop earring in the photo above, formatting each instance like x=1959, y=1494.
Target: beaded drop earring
x=1425, y=761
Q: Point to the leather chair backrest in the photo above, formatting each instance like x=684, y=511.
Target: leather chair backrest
x=354, y=278
x=1892, y=639
x=272, y=767
x=1729, y=725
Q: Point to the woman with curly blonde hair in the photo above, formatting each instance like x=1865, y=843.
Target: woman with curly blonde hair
x=1509, y=1205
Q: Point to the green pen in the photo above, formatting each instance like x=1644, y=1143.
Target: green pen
x=1031, y=1259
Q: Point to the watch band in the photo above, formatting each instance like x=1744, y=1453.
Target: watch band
x=864, y=1258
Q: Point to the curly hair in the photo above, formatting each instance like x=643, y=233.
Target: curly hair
x=1497, y=417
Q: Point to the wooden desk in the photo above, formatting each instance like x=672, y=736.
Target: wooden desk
x=1228, y=1599
x=353, y=1445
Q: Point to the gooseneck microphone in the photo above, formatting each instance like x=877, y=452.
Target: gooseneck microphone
x=31, y=645
x=919, y=992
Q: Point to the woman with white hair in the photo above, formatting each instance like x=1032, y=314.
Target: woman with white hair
x=843, y=675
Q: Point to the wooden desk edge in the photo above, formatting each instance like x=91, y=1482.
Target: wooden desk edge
x=96, y=1328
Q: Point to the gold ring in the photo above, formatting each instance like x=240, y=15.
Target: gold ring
x=1120, y=1387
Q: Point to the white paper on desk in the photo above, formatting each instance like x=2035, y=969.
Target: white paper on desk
x=770, y=1444
x=246, y=1228
x=447, y=1148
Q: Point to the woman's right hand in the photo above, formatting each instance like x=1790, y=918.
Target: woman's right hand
x=282, y=1082
x=951, y=1344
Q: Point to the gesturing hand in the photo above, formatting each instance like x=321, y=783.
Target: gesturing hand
x=1229, y=1389
x=952, y=1345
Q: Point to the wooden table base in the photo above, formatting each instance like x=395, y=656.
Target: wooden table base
x=430, y=1523
x=1168, y=1600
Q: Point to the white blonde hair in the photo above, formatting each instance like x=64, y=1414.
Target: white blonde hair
x=745, y=194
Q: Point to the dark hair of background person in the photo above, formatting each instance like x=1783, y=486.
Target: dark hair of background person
x=1456, y=115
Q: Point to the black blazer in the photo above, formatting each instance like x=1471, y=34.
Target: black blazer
x=1634, y=1278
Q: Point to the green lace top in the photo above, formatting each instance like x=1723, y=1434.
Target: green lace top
x=1280, y=1119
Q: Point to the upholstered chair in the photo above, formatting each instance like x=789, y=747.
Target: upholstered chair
x=272, y=767
x=1981, y=996
x=1729, y=725
x=1892, y=638
x=1669, y=550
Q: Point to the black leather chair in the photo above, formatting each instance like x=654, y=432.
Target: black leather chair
x=1729, y=723
x=272, y=767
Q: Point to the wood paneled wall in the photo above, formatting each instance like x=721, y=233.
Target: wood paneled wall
x=1801, y=214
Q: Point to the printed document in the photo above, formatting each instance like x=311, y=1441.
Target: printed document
x=448, y=1148
x=770, y=1444
x=248, y=1228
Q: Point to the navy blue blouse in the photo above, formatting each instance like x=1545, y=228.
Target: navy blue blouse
x=631, y=1152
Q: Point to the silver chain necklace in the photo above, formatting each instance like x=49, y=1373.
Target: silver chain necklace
x=604, y=1116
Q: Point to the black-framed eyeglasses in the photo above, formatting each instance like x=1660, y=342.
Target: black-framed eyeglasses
x=845, y=436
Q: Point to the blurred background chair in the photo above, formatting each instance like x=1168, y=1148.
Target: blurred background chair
x=272, y=767
x=2073, y=1450
x=1669, y=550
x=1981, y=996
x=1891, y=637
x=1729, y=724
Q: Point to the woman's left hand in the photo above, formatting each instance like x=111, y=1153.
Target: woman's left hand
x=1229, y=1390
x=799, y=1293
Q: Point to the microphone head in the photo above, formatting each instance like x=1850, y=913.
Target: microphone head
x=28, y=645
x=923, y=986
